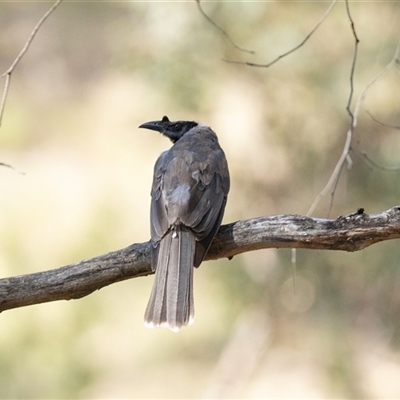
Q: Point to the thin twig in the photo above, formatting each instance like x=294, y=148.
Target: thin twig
x=334, y=179
x=395, y=60
x=334, y=175
x=11, y=167
x=336, y=182
x=4, y=97
x=353, y=65
x=250, y=64
x=375, y=164
x=221, y=30
x=391, y=126
x=361, y=156
x=10, y=70
x=347, y=147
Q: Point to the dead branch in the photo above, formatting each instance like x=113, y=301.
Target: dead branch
x=385, y=124
x=251, y=64
x=345, y=156
x=10, y=70
x=354, y=119
x=11, y=167
x=369, y=161
x=220, y=29
x=349, y=233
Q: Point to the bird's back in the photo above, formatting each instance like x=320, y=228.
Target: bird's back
x=189, y=192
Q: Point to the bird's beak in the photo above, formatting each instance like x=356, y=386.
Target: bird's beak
x=153, y=125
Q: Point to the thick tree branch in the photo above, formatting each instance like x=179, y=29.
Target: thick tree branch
x=350, y=233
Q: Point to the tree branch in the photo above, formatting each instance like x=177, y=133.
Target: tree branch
x=251, y=64
x=386, y=125
x=345, y=156
x=354, y=119
x=349, y=233
x=220, y=29
x=11, y=69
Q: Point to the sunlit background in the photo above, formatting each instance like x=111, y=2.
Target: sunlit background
x=94, y=73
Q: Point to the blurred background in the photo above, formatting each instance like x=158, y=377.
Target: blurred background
x=97, y=70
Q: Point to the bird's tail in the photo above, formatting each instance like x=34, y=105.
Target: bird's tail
x=171, y=301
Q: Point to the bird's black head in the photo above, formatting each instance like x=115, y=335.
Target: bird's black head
x=173, y=130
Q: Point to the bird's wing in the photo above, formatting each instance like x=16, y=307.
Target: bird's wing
x=208, y=194
x=211, y=192
x=158, y=212
x=189, y=187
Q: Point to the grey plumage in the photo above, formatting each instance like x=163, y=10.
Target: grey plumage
x=188, y=198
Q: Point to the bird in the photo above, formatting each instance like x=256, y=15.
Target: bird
x=188, y=197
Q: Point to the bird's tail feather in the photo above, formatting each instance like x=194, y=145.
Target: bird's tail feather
x=171, y=301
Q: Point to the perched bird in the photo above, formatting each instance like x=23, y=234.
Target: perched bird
x=188, y=198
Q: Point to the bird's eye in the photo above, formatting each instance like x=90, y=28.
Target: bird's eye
x=177, y=127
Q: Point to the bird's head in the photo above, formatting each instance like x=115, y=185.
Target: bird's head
x=173, y=130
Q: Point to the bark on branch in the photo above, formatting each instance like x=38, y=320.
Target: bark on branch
x=349, y=233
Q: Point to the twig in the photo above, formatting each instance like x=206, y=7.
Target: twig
x=391, y=126
x=345, y=156
x=11, y=167
x=354, y=119
x=395, y=61
x=335, y=184
x=220, y=29
x=335, y=174
x=10, y=70
x=348, y=233
x=251, y=64
x=353, y=65
x=4, y=97
x=375, y=164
